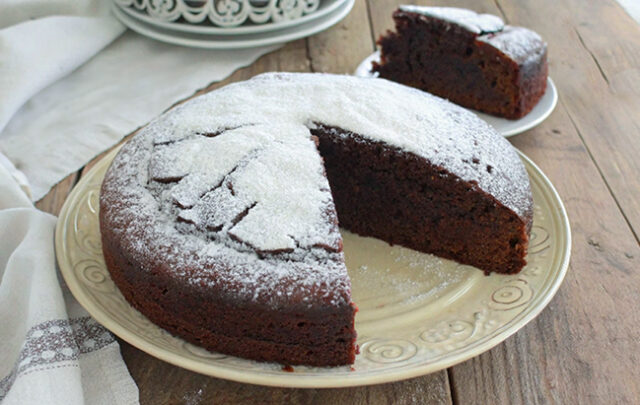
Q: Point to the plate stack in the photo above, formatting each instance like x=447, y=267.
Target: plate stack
x=230, y=24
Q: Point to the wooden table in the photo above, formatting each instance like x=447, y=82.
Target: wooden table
x=585, y=347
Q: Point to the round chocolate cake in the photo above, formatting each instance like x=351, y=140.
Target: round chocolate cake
x=219, y=219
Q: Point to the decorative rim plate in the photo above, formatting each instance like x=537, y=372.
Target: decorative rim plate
x=325, y=7
x=210, y=41
x=418, y=313
x=506, y=127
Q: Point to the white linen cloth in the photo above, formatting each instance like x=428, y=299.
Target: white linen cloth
x=125, y=85
x=71, y=85
x=52, y=352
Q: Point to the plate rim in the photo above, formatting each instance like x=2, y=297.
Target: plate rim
x=291, y=380
x=362, y=70
x=227, y=42
x=232, y=31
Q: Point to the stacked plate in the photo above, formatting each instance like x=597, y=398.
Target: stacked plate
x=209, y=36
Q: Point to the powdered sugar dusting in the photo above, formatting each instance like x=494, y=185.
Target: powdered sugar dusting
x=261, y=185
x=519, y=43
x=468, y=19
x=228, y=189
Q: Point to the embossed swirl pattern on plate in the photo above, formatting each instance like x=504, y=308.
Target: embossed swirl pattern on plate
x=388, y=350
x=493, y=305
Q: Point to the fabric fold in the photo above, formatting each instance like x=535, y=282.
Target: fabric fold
x=52, y=350
x=36, y=53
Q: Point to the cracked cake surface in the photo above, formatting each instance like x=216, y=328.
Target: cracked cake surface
x=224, y=204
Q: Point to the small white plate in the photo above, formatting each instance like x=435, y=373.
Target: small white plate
x=504, y=126
x=325, y=8
x=240, y=41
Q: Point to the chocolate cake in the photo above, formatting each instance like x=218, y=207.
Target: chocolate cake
x=219, y=219
x=474, y=60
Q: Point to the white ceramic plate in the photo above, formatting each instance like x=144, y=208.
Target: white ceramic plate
x=504, y=126
x=418, y=313
x=210, y=41
x=326, y=7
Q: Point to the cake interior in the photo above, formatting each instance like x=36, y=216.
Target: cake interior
x=394, y=196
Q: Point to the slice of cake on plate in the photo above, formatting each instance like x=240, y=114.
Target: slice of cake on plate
x=471, y=59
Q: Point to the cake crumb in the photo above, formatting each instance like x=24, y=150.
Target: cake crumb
x=193, y=398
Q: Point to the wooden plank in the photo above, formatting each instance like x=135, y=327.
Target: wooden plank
x=186, y=387
x=609, y=123
x=52, y=202
x=559, y=358
x=342, y=48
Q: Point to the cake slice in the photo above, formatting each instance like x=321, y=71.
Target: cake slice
x=474, y=60
x=230, y=240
